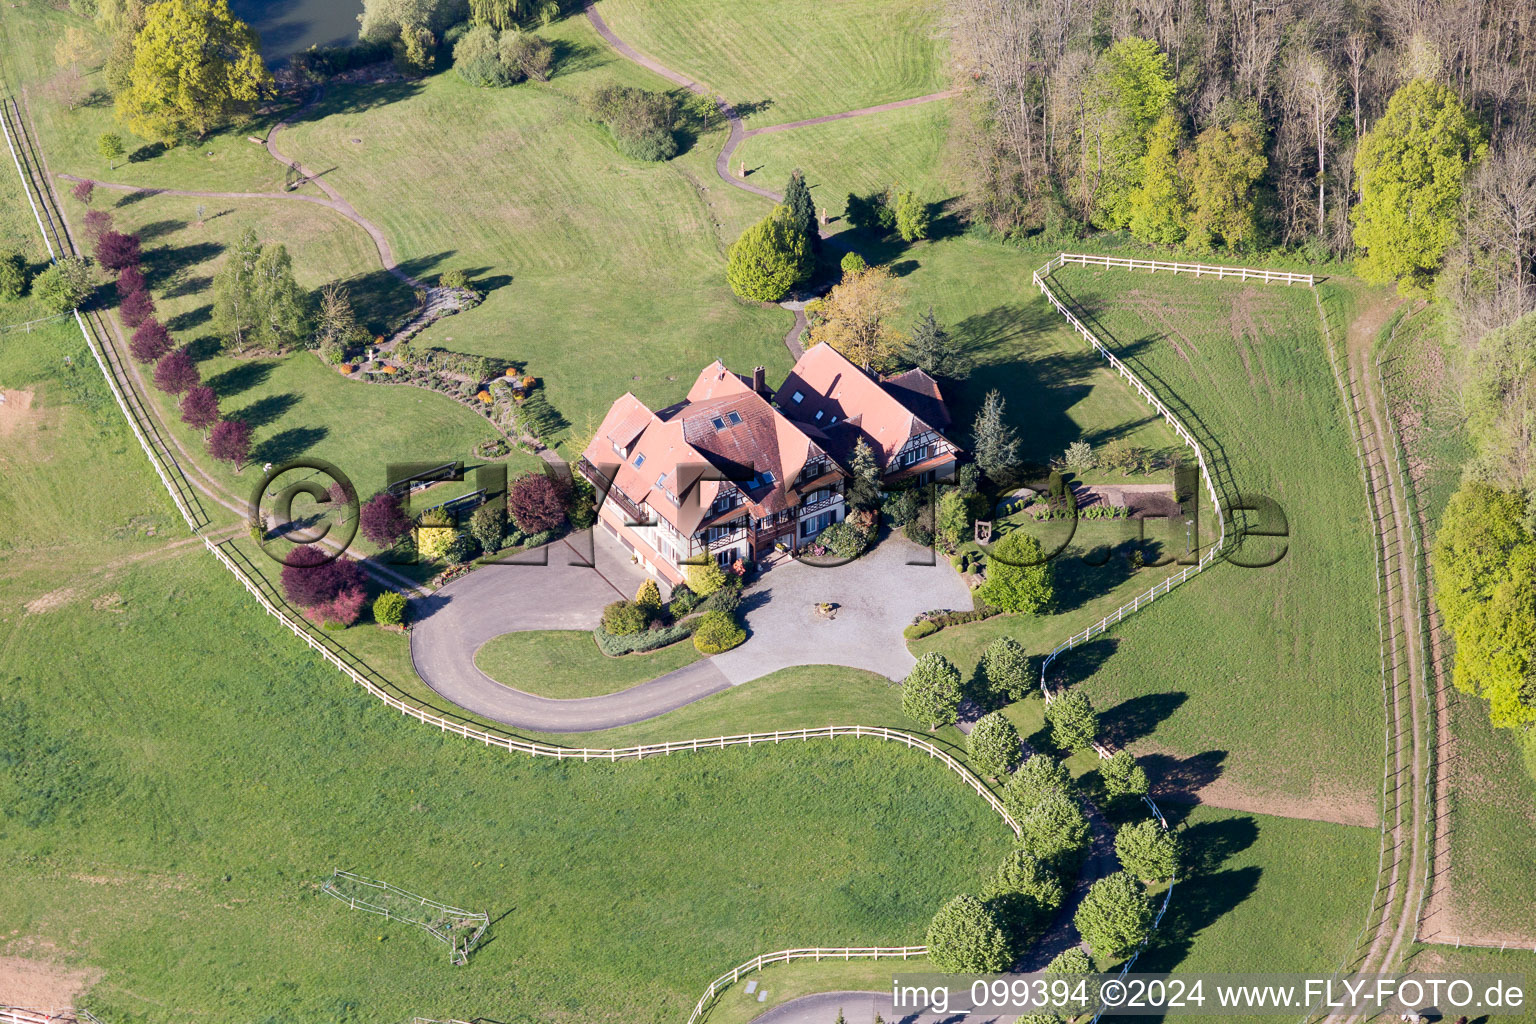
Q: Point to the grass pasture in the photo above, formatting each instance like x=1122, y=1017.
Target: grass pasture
x=171, y=827
x=791, y=59
x=1265, y=680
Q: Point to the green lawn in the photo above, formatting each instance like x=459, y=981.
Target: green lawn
x=790, y=59
x=297, y=405
x=195, y=773
x=1268, y=678
x=604, y=274
x=226, y=161
x=566, y=663
x=863, y=154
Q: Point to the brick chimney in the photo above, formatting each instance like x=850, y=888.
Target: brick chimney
x=760, y=380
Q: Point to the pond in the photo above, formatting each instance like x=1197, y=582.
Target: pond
x=288, y=26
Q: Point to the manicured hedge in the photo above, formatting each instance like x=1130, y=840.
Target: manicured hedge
x=645, y=640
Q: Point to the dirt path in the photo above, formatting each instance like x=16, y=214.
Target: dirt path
x=1405, y=808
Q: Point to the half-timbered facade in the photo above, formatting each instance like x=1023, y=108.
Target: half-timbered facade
x=730, y=472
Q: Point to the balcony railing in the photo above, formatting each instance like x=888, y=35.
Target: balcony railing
x=725, y=538
x=819, y=505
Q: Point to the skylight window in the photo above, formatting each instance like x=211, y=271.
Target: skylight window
x=767, y=476
x=819, y=414
x=734, y=417
x=797, y=398
x=718, y=423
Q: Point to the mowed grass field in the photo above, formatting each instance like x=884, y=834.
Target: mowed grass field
x=567, y=663
x=295, y=404
x=1264, y=681
x=903, y=147
x=1492, y=800
x=791, y=59
x=190, y=774
x=604, y=274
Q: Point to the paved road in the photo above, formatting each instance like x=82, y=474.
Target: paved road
x=877, y=596
x=452, y=624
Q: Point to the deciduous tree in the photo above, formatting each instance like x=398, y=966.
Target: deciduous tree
x=1035, y=779
x=856, y=318
x=1157, y=203
x=931, y=691
x=1223, y=170
x=1019, y=579
x=110, y=146
x=1410, y=167
x=1148, y=851
x=63, y=285
x=1055, y=831
x=383, y=521
x=195, y=67
x=116, y=251
x=230, y=442
x=149, y=341
x=135, y=308
x=965, y=937
x=536, y=502
x=913, y=217
x=13, y=275
x=176, y=373
x=1114, y=917
x=1122, y=776
x=994, y=745
x=200, y=408
x=1074, y=723
x=1005, y=666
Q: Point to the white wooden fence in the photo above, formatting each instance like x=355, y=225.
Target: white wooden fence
x=1195, y=269
x=785, y=956
x=1041, y=277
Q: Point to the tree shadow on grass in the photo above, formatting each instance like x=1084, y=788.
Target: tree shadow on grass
x=1079, y=664
x=189, y=319
x=163, y=264
x=155, y=228
x=1134, y=719
x=192, y=284
x=343, y=98
x=571, y=57
x=289, y=444
x=1180, y=779
x=267, y=409
x=1080, y=576
x=240, y=377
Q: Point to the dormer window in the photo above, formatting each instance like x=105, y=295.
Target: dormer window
x=797, y=398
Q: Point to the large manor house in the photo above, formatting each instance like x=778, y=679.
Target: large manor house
x=737, y=468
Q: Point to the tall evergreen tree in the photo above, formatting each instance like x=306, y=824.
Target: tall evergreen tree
x=864, y=488
x=996, y=444
x=935, y=350
x=802, y=209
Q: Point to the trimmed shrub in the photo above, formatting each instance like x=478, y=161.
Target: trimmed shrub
x=918, y=630
x=842, y=540
x=622, y=618
x=1019, y=579
x=433, y=542
x=389, y=608
x=853, y=263
x=488, y=525
x=684, y=600
x=645, y=640
x=704, y=579
x=718, y=631
x=462, y=548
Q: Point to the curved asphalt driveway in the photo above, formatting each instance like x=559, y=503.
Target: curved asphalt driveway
x=877, y=596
